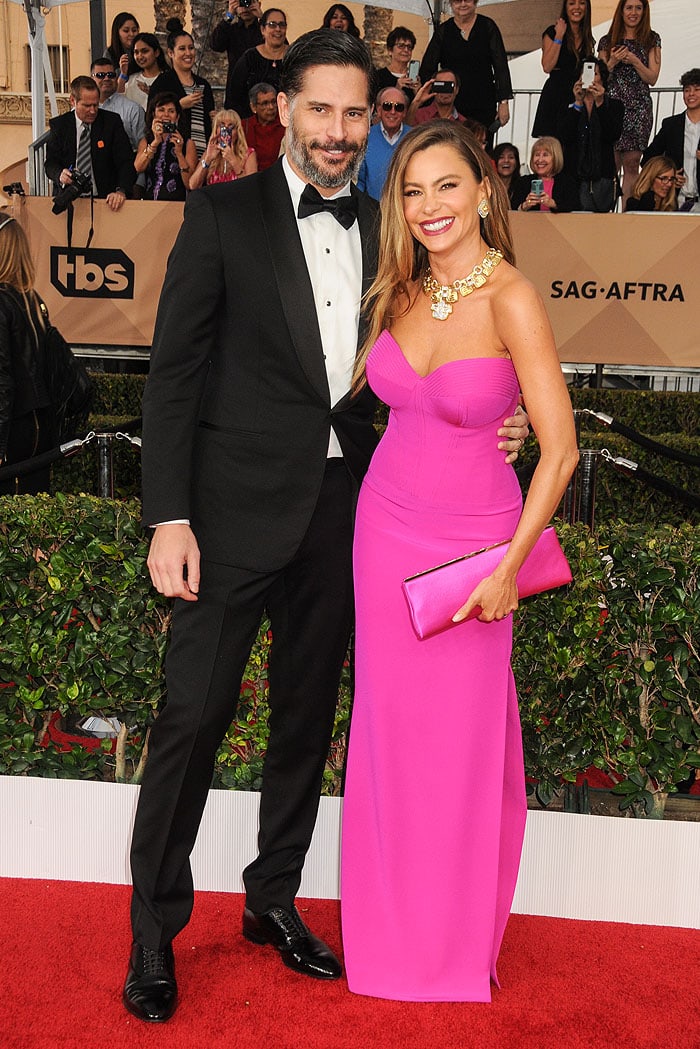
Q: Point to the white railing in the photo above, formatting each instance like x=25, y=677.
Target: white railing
x=665, y=100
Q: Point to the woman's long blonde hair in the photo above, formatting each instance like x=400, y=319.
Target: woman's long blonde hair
x=645, y=181
x=16, y=264
x=402, y=260
x=240, y=146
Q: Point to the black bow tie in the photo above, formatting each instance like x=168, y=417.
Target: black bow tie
x=344, y=209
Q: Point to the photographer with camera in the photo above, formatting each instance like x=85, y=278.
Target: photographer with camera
x=443, y=89
x=236, y=33
x=88, y=150
x=165, y=156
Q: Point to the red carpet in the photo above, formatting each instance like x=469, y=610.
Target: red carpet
x=565, y=985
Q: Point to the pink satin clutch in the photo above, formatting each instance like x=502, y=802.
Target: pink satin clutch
x=435, y=595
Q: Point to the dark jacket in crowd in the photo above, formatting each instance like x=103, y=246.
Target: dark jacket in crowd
x=110, y=150
x=170, y=81
x=588, y=142
x=564, y=192
x=235, y=38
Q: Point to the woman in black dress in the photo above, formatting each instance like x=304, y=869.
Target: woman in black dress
x=471, y=46
x=261, y=64
x=564, y=45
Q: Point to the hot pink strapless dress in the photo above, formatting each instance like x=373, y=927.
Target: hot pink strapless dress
x=434, y=809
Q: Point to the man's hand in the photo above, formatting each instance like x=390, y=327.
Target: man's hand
x=516, y=430
x=116, y=199
x=174, y=549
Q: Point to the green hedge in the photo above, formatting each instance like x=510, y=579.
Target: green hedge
x=607, y=672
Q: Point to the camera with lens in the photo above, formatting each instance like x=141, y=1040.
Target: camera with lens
x=169, y=127
x=14, y=187
x=245, y=3
x=81, y=183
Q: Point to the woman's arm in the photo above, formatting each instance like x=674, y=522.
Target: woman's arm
x=649, y=74
x=251, y=163
x=188, y=163
x=7, y=382
x=550, y=48
x=144, y=155
x=521, y=324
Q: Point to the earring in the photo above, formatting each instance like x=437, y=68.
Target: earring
x=483, y=208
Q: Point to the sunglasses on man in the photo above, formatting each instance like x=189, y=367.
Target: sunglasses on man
x=399, y=107
x=104, y=76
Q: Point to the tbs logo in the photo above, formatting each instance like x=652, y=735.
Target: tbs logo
x=92, y=273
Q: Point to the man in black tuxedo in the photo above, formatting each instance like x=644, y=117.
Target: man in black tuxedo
x=253, y=449
x=111, y=157
x=679, y=138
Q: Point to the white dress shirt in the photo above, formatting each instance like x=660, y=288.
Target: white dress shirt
x=690, y=162
x=334, y=261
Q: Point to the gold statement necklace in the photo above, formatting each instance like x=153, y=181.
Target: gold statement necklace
x=443, y=296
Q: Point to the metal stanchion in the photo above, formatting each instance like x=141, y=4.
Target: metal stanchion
x=570, y=495
x=588, y=471
x=105, y=472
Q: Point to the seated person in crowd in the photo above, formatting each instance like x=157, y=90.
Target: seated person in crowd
x=442, y=89
x=238, y=30
x=132, y=115
x=655, y=188
x=165, y=156
x=548, y=188
x=400, y=44
x=588, y=130
x=92, y=140
x=227, y=156
x=384, y=137
x=506, y=159
x=679, y=138
x=263, y=130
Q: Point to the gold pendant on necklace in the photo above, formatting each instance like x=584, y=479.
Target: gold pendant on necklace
x=444, y=296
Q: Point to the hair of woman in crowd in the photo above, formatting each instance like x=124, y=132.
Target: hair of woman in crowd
x=550, y=145
x=346, y=14
x=655, y=168
x=175, y=29
x=587, y=41
x=645, y=35
x=16, y=263
x=402, y=260
x=240, y=146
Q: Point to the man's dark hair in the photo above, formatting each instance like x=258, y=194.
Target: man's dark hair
x=323, y=47
x=400, y=32
x=101, y=60
x=691, y=78
x=82, y=83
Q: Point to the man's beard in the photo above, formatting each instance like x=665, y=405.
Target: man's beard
x=335, y=176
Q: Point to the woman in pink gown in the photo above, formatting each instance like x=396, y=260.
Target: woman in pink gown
x=434, y=809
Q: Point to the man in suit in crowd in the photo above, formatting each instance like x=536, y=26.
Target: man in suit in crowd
x=253, y=448
x=133, y=116
x=679, y=138
x=90, y=138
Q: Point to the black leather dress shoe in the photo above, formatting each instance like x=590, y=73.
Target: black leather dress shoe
x=150, y=991
x=299, y=948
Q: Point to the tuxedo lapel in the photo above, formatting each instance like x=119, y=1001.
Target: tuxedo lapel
x=292, y=276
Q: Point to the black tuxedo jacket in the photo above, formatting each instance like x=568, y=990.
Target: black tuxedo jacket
x=237, y=412
x=112, y=155
x=669, y=141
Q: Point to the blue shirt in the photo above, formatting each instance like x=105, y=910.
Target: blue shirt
x=375, y=166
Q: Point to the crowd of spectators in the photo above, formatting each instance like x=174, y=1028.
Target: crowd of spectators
x=591, y=128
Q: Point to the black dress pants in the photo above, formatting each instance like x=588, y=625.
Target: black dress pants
x=309, y=602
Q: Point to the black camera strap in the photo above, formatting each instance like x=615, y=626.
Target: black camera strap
x=69, y=221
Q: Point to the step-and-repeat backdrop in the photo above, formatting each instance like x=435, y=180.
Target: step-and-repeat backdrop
x=619, y=289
